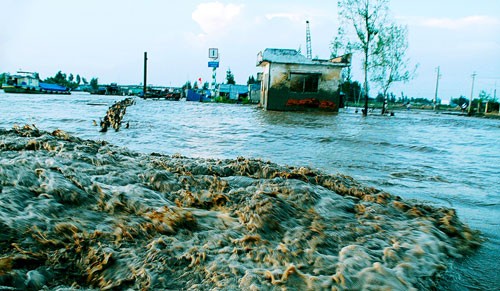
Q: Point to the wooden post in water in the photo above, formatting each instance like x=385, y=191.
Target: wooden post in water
x=145, y=74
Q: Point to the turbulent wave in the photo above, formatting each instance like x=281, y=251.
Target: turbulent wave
x=85, y=214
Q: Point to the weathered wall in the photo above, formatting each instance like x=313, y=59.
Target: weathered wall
x=30, y=82
x=279, y=97
x=264, y=86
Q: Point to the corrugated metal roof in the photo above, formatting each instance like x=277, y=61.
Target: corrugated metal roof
x=230, y=88
x=291, y=56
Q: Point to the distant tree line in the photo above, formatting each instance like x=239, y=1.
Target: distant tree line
x=69, y=81
x=2, y=78
x=477, y=104
x=194, y=85
x=252, y=80
x=230, y=77
x=229, y=80
x=352, y=92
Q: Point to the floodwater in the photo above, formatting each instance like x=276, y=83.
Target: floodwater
x=437, y=159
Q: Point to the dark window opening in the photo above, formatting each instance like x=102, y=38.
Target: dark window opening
x=304, y=83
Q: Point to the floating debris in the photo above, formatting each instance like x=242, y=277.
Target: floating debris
x=85, y=214
x=115, y=113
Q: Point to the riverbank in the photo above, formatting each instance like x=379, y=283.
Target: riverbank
x=87, y=214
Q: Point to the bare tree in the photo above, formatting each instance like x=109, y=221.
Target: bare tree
x=390, y=63
x=366, y=18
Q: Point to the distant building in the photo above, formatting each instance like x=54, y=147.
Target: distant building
x=233, y=92
x=27, y=80
x=290, y=81
x=254, y=93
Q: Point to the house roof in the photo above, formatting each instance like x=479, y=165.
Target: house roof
x=284, y=56
x=230, y=88
x=291, y=56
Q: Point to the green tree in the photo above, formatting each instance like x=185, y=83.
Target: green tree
x=94, y=83
x=380, y=98
x=392, y=98
x=366, y=19
x=67, y=81
x=187, y=85
x=484, y=95
x=3, y=77
x=251, y=80
x=352, y=90
x=390, y=63
x=230, y=77
x=60, y=78
x=84, y=80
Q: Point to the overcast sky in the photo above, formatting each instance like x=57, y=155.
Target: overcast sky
x=107, y=39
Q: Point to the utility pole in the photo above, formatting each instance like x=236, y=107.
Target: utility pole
x=145, y=74
x=437, y=85
x=471, y=93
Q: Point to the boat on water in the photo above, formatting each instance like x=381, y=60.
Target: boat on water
x=161, y=93
x=29, y=83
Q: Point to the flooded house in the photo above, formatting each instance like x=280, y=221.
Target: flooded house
x=290, y=81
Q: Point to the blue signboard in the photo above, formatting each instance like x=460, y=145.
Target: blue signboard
x=213, y=64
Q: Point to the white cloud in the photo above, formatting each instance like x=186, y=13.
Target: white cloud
x=215, y=17
x=461, y=23
x=290, y=16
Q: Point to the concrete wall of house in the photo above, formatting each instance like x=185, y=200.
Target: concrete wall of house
x=278, y=96
x=264, y=85
x=254, y=94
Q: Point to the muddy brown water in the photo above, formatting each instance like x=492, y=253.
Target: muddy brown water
x=425, y=158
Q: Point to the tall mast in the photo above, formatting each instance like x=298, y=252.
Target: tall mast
x=308, y=41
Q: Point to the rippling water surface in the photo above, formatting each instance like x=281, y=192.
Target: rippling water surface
x=440, y=159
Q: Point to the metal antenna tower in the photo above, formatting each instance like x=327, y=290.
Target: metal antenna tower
x=308, y=41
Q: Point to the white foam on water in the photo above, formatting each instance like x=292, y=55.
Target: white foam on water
x=84, y=214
